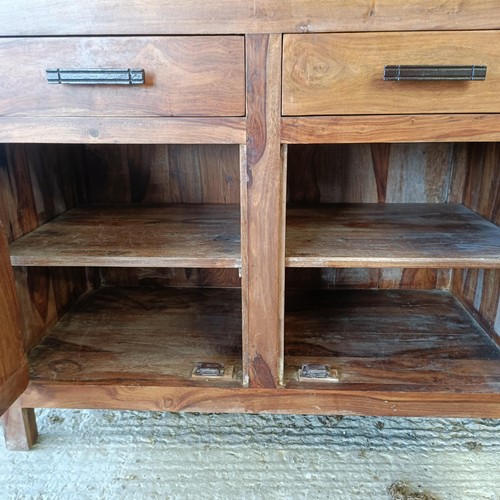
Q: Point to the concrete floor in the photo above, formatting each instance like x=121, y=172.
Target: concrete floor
x=140, y=455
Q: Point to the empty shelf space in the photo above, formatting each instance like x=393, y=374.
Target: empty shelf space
x=389, y=340
x=390, y=235
x=137, y=336
x=187, y=235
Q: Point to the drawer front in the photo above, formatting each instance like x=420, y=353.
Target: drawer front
x=183, y=76
x=342, y=74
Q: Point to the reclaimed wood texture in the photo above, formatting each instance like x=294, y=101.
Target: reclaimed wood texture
x=92, y=130
x=13, y=364
x=476, y=183
x=135, y=235
x=57, y=17
x=143, y=336
x=264, y=198
x=20, y=430
x=342, y=74
x=184, y=76
x=389, y=128
x=390, y=235
x=398, y=339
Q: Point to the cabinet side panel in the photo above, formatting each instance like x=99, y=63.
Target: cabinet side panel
x=37, y=183
x=45, y=294
x=162, y=173
x=476, y=183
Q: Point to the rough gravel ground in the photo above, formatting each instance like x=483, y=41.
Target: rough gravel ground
x=141, y=455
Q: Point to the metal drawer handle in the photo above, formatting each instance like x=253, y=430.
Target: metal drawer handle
x=419, y=73
x=96, y=76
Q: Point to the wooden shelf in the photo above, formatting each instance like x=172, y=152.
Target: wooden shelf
x=188, y=235
x=390, y=235
x=382, y=340
x=139, y=336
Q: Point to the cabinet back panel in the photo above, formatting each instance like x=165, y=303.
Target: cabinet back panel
x=162, y=174
x=369, y=173
x=368, y=278
x=167, y=277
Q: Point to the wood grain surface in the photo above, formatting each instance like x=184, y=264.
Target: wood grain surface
x=184, y=76
x=37, y=183
x=331, y=401
x=396, y=339
x=390, y=235
x=143, y=335
x=369, y=173
x=57, y=17
x=20, y=430
x=342, y=74
x=264, y=197
x=150, y=130
x=201, y=173
x=135, y=235
x=328, y=278
x=477, y=184
x=13, y=364
x=389, y=128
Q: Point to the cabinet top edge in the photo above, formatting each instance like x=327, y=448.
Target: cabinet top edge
x=171, y=17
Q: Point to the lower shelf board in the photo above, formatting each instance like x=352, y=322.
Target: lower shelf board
x=142, y=336
x=389, y=340
x=404, y=353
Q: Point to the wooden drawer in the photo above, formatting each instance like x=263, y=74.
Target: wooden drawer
x=342, y=74
x=184, y=76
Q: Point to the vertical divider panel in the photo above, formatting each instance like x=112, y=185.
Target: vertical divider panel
x=264, y=250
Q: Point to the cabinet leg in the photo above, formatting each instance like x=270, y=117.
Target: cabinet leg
x=19, y=426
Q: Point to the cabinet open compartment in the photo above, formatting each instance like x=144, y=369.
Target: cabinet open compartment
x=127, y=262
x=393, y=270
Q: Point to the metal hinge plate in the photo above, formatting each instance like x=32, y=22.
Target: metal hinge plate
x=318, y=372
x=210, y=370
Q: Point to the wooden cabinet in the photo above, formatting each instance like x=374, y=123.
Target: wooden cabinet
x=264, y=224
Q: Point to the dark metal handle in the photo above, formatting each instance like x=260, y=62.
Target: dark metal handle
x=96, y=76
x=419, y=73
